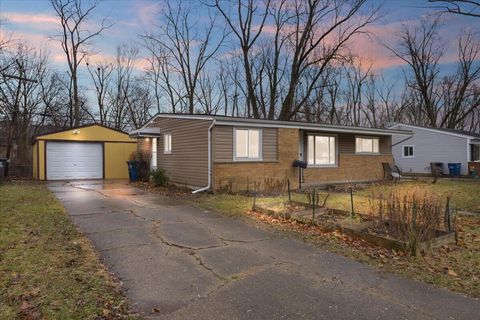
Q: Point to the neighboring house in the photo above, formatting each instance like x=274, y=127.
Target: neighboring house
x=414, y=154
x=87, y=152
x=225, y=153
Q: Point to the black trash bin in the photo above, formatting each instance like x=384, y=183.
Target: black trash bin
x=437, y=168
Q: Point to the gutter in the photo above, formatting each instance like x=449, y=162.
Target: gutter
x=209, y=160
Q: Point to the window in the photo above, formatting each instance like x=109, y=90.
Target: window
x=475, y=152
x=153, y=160
x=247, y=144
x=408, y=152
x=321, y=150
x=366, y=145
x=167, y=143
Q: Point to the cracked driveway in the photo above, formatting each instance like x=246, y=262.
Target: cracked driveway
x=188, y=263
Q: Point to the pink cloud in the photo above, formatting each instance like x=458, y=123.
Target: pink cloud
x=40, y=21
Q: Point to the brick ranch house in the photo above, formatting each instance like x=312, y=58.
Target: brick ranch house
x=231, y=154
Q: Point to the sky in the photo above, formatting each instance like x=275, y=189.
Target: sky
x=34, y=22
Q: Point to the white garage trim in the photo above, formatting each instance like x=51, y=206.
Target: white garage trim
x=74, y=160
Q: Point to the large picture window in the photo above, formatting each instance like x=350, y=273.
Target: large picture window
x=366, y=145
x=247, y=144
x=322, y=150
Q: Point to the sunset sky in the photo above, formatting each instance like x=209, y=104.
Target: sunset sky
x=34, y=22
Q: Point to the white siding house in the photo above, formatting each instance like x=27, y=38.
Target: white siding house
x=414, y=154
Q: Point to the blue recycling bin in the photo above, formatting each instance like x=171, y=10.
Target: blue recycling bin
x=132, y=171
x=454, y=169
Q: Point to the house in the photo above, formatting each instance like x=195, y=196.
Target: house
x=87, y=152
x=226, y=153
x=415, y=153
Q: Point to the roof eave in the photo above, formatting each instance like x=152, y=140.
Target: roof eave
x=317, y=127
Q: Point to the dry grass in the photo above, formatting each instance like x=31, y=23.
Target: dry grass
x=48, y=270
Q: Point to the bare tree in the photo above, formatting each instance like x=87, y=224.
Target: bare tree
x=462, y=7
x=101, y=77
x=20, y=97
x=419, y=48
x=321, y=30
x=118, y=93
x=139, y=103
x=75, y=39
x=186, y=46
x=460, y=92
x=247, y=26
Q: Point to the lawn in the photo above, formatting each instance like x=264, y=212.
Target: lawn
x=455, y=266
x=465, y=196
x=48, y=270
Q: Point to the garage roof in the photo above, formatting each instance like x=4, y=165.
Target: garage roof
x=88, y=132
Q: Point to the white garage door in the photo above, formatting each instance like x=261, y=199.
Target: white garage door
x=74, y=160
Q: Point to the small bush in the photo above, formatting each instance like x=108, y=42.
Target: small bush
x=413, y=216
x=159, y=177
x=143, y=163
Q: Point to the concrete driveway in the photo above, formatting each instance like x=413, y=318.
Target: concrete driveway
x=180, y=262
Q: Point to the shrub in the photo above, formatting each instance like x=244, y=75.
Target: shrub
x=143, y=163
x=159, y=177
x=412, y=216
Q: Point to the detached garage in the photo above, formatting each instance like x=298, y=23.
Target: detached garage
x=87, y=152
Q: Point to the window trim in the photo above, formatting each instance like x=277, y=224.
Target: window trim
x=367, y=152
x=260, y=147
x=403, y=151
x=164, y=145
x=309, y=165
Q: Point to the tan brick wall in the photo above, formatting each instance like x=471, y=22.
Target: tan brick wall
x=144, y=145
x=264, y=175
x=351, y=168
x=245, y=175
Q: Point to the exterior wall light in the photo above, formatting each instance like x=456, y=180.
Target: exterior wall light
x=76, y=131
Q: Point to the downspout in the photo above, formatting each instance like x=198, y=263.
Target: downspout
x=209, y=160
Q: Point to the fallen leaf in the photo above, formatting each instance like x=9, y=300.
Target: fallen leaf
x=451, y=272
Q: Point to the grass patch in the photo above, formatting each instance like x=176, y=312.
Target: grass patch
x=48, y=270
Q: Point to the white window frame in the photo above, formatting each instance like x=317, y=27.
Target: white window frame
x=403, y=151
x=154, y=154
x=310, y=165
x=167, y=145
x=260, y=147
x=370, y=138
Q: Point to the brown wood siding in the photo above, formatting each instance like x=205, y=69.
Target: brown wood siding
x=223, y=144
x=188, y=162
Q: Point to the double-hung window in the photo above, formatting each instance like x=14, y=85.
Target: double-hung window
x=408, y=152
x=321, y=150
x=167, y=143
x=366, y=145
x=247, y=144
